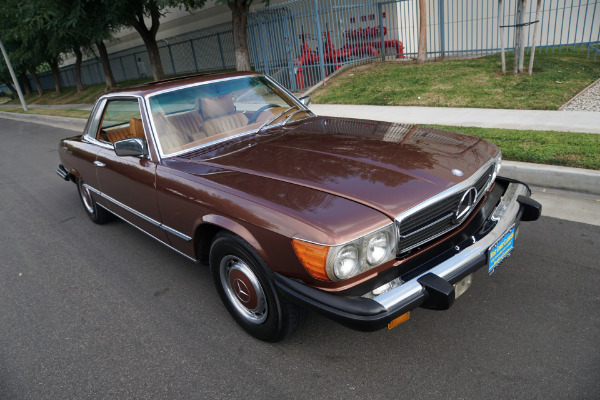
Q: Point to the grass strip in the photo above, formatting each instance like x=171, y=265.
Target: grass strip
x=579, y=150
x=44, y=111
x=473, y=83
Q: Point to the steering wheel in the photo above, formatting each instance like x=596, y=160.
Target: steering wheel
x=254, y=116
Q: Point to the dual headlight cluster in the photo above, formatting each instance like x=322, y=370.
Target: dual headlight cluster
x=349, y=259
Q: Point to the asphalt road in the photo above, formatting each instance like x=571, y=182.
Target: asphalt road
x=91, y=311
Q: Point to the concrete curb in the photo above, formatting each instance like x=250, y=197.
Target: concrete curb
x=561, y=108
x=549, y=176
x=74, y=124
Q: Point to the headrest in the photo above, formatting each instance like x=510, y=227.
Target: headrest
x=213, y=107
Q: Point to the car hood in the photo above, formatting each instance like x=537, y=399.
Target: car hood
x=388, y=167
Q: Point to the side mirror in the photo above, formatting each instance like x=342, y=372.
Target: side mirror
x=136, y=147
x=305, y=100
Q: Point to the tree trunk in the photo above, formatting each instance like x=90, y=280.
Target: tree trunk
x=25, y=84
x=239, y=8
x=422, y=33
x=108, y=75
x=522, y=39
x=536, y=29
x=56, y=75
x=78, y=60
x=36, y=81
x=516, y=39
x=12, y=89
x=149, y=38
x=155, y=61
x=501, y=33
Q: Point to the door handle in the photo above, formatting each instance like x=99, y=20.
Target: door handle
x=99, y=164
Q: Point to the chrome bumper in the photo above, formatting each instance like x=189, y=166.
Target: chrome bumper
x=412, y=291
x=433, y=288
x=62, y=172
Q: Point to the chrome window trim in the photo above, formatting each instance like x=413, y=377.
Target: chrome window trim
x=467, y=183
x=149, y=234
x=101, y=106
x=154, y=133
x=139, y=214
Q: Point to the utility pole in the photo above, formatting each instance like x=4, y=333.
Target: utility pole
x=14, y=77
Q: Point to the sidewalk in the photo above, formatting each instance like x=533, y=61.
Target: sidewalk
x=52, y=107
x=544, y=176
x=565, y=121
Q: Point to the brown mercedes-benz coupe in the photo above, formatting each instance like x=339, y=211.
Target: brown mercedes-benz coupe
x=360, y=220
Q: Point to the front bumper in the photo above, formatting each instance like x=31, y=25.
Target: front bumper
x=432, y=288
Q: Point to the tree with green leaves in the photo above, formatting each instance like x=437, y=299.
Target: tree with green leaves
x=136, y=14
x=239, y=8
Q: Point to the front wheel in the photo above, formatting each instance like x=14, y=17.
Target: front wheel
x=96, y=213
x=241, y=279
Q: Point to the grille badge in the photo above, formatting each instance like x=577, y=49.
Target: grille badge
x=465, y=206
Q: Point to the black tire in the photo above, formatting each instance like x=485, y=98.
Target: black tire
x=242, y=280
x=96, y=213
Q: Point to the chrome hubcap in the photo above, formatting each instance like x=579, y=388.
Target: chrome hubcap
x=243, y=289
x=87, y=198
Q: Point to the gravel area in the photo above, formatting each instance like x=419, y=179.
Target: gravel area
x=587, y=100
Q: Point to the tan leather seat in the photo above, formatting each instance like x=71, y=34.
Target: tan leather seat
x=115, y=134
x=169, y=136
x=189, y=123
x=220, y=115
x=136, y=128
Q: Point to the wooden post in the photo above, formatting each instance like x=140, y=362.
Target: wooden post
x=516, y=40
x=522, y=38
x=501, y=33
x=422, y=55
x=535, y=34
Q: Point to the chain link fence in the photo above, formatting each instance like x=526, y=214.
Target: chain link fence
x=207, y=49
x=300, y=42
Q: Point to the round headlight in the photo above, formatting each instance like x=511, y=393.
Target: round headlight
x=346, y=262
x=378, y=248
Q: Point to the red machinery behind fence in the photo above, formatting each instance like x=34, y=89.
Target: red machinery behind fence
x=360, y=42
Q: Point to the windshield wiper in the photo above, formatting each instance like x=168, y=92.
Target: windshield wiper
x=270, y=120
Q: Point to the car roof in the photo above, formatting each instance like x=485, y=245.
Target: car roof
x=145, y=89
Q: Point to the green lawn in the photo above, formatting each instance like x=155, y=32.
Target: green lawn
x=477, y=82
x=59, y=113
x=580, y=150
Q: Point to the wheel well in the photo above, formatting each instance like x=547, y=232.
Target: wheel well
x=205, y=234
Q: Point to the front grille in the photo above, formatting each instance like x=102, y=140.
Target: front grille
x=436, y=217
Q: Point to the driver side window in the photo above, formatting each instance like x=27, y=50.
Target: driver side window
x=121, y=120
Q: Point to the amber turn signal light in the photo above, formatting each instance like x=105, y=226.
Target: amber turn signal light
x=313, y=257
x=397, y=321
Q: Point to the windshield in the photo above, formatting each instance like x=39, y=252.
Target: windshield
x=202, y=114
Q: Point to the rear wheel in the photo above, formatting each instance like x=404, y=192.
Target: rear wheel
x=96, y=213
x=241, y=278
